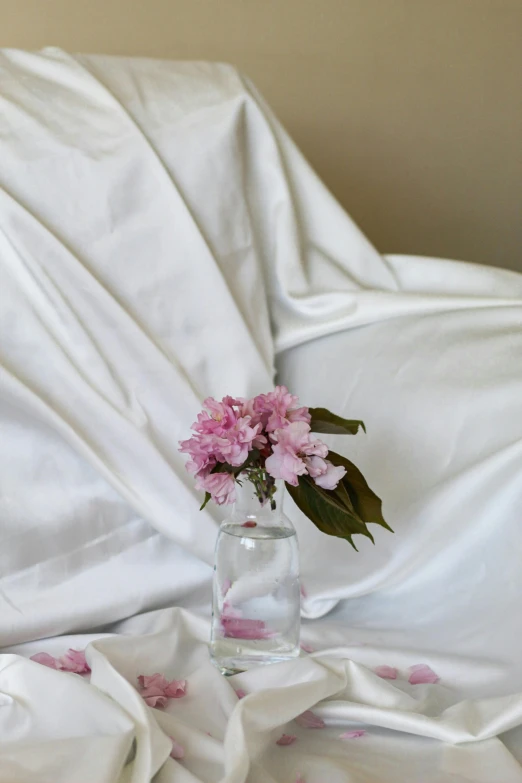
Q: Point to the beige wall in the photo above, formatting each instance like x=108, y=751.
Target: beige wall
x=410, y=110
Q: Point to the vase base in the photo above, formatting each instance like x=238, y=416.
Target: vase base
x=237, y=665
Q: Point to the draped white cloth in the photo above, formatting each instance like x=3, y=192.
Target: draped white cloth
x=161, y=239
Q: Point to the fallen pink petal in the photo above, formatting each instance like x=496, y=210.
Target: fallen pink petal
x=421, y=674
x=307, y=648
x=156, y=690
x=153, y=681
x=178, y=751
x=240, y=693
x=249, y=524
x=303, y=591
x=309, y=720
x=300, y=779
x=286, y=739
x=46, y=660
x=155, y=700
x=386, y=672
x=74, y=661
x=176, y=689
x=352, y=734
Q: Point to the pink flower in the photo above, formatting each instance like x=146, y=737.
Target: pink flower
x=293, y=445
x=46, y=660
x=386, y=672
x=222, y=416
x=200, y=453
x=297, y=436
x=307, y=648
x=275, y=410
x=240, y=441
x=222, y=435
x=316, y=466
x=240, y=693
x=332, y=477
x=156, y=690
x=352, y=734
x=286, y=739
x=178, y=751
x=284, y=464
x=222, y=487
x=309, y=720
x=74, y=661
x=421, y=673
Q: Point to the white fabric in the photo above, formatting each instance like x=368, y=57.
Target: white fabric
x=161, y=239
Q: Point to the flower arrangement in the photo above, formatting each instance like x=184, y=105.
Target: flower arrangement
x=271, y=437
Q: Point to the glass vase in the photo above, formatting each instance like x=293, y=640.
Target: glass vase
x=256, y=591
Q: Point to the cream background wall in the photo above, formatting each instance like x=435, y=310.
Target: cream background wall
x=410, y=110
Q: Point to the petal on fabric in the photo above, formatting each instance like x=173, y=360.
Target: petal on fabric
x=307, y=648
x=152, y=680
x=309, y=720
x=352, y=734
x=151, y=692
x=74, y=661
x=286, y=739
x=178, y=751
x=240, y=693
x=176, y=689
x=421, y=673
x=46, y=660
x=155, y=701
x=386, y=672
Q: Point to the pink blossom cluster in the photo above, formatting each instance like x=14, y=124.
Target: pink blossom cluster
x=274, y=424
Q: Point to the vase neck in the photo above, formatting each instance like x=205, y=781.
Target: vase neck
x=249, y=505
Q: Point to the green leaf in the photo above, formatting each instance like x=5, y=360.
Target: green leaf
x=365, y=502
x=324, y=509
x=328, y=423
x=207, y=498
x=344, y=511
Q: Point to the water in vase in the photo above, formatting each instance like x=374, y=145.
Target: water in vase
x=256, y=593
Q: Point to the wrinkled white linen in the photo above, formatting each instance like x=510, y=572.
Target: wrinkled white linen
x=161, y=239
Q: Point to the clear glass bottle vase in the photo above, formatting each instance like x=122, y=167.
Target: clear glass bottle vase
x=256, y=592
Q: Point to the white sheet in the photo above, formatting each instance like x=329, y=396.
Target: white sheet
x=160, y=240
